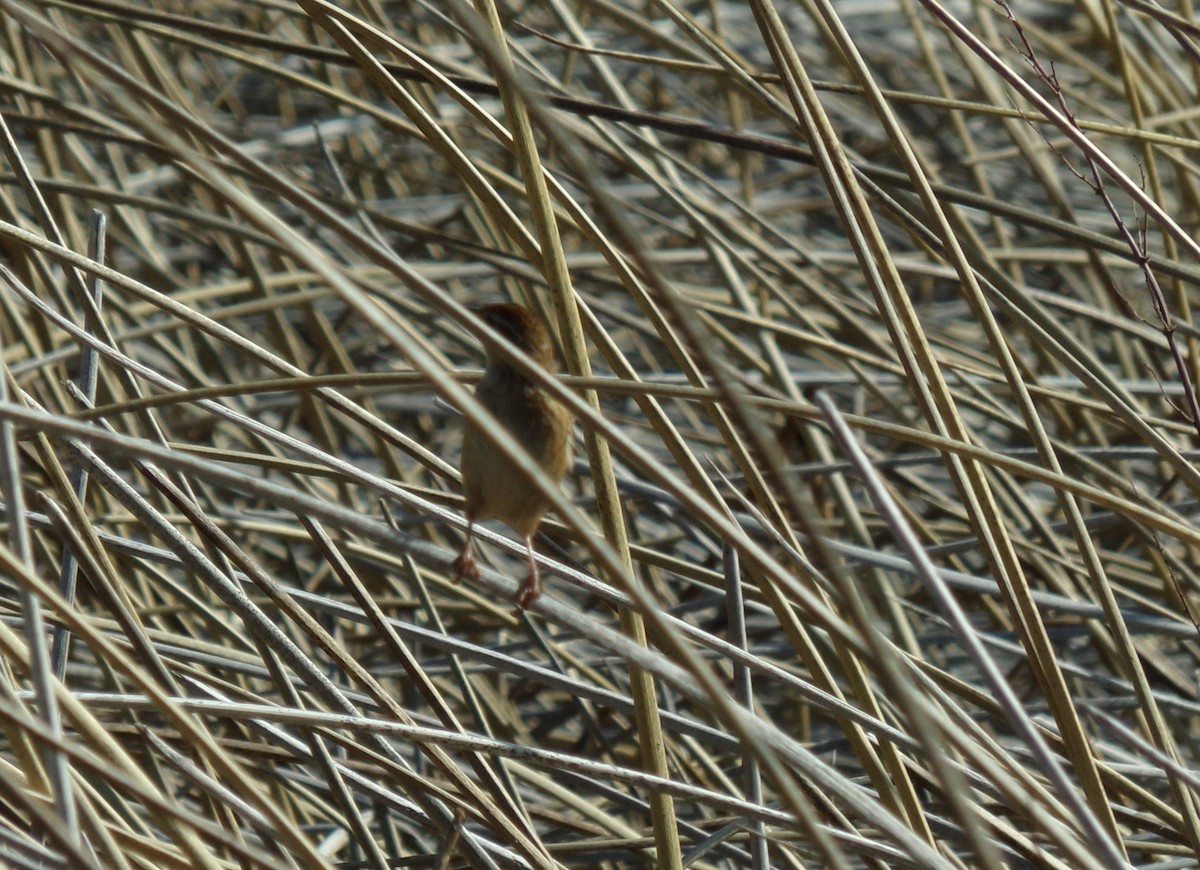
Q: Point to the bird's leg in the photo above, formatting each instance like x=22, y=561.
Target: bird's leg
x=532, y=587
x=465, y=566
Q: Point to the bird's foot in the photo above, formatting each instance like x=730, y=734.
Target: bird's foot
x=528, y=591
x=465, y=567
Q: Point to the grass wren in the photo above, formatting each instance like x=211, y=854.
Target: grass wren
x=492, y=485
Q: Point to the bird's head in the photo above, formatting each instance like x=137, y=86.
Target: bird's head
x=514, y=323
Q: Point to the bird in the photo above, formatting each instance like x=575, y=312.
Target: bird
x=493, y=487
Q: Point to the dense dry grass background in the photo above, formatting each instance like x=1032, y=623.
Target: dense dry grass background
x=880, y=545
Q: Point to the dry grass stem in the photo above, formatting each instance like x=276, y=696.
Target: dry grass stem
x=880, y=548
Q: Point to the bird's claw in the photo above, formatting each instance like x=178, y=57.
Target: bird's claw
x=528, y=591
x=465, y=568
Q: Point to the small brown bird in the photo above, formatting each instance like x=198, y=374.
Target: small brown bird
x=492, y=485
